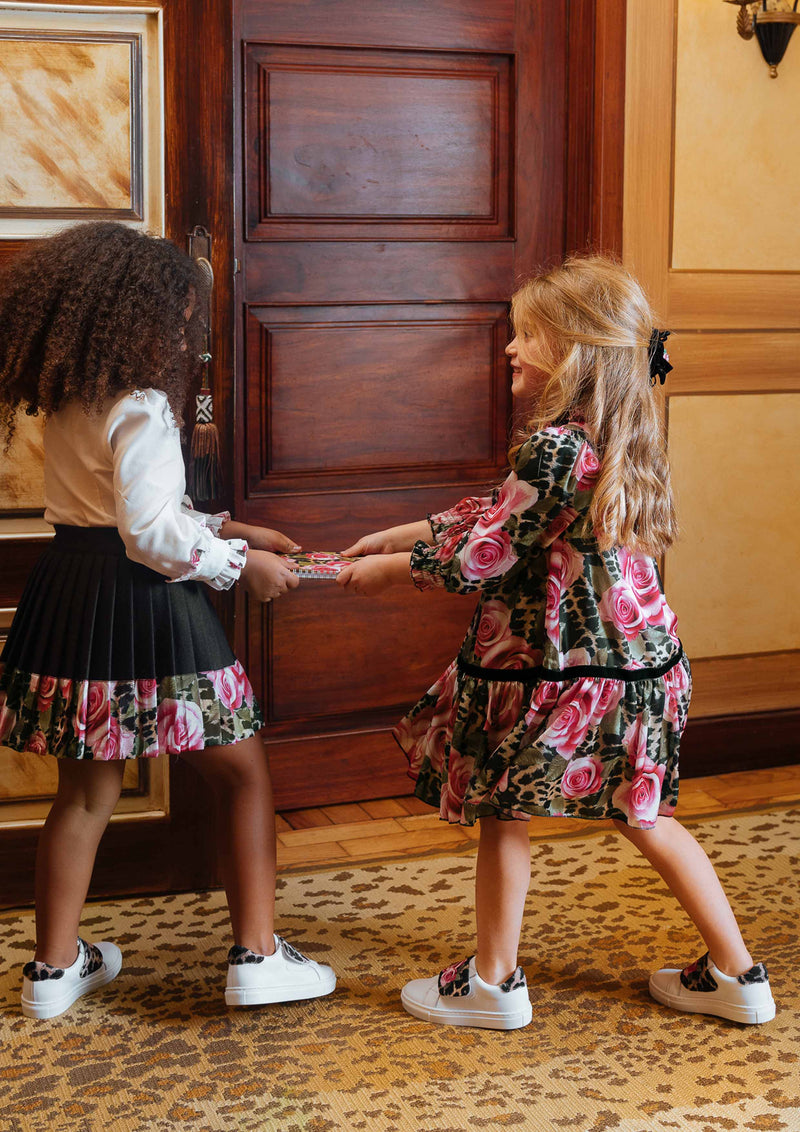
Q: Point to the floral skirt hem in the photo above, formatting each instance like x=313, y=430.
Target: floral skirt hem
x=126, y=719
x=592, y=748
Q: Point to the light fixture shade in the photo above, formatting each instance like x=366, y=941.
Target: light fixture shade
x=773, y=32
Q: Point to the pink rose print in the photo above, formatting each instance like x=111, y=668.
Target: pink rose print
x=459, y=772
x=109, y=742
x=487, y=556
x=582, y=778
x=640, y=799
x=434, y=745
x=514, y=497
x=635, y=742
x=671, y=624
x=180, y=727
x=619, y=606
x=493, y=625
x=676, y=695
x=408, y=735
x=544, y=699
x=503, y=708
x=572, y=718
x=37, y=743
x=511, y=652
x=639, y=572
x=558, y=525
x=447, y=546
x=8, y=718
x=609, y=694
x=461, y=513
x=230, y=685
x=564, y=565
x=65, y=689
x=449, y=974
x=45, y=692
x=93, y=708
x=587, y=468
x=146, y=695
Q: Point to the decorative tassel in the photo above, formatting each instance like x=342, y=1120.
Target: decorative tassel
x=204, y=480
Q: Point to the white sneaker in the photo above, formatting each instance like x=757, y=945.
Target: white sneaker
x=704, y=989
x=460, y=997
x=284, y=976
x=48, y=991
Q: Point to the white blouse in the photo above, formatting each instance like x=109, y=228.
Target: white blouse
x=123, y=468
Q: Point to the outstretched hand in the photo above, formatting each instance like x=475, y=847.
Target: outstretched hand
x=259, y=538
x=370, y=576
x=391, y=540
x=266, y=576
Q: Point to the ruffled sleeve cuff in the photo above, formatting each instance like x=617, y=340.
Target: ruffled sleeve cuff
x=424, y=573
x=219, y=564
x=211, y=523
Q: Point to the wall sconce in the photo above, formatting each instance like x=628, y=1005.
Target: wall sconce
x=772, y=22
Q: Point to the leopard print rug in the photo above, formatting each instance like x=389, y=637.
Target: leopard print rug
x=158, y=1050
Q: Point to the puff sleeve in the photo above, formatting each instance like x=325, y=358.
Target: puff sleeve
x=149, y=484
x=531, y=510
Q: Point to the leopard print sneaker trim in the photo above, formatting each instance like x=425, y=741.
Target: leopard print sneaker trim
x=756, y=974
x=238, y=955
x=37, y=972
x=514, y=981
x=92, y=958
x=697, y=977
x=454, y=980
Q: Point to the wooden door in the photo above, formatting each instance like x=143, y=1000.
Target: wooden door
x=158, y=839
x=399, y=166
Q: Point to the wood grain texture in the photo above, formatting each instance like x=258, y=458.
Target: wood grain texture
x=445, y=24
x=430, y=159
x=648, y=152
x=747, y=300
x=726, y=684
x=734, y=362
x=325, y=383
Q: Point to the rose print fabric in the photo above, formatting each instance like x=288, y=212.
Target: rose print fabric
x=570, y=691
x=128, y=719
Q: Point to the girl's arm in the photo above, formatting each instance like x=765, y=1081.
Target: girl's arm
x=370, y=576
x=532, y=509
x=391, y=540
x=258, y=538
x=157, y=531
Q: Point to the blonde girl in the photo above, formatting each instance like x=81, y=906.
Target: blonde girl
x=570, y=691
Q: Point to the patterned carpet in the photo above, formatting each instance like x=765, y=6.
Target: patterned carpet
x=158, y=1050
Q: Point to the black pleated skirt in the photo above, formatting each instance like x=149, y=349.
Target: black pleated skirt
x=106, y=659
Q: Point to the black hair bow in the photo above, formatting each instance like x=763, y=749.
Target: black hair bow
x=658, y=356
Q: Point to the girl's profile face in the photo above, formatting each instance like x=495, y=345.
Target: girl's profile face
x=527, y=378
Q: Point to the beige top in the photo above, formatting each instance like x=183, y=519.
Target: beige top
x=123, y=468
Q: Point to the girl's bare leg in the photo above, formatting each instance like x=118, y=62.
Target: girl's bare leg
x=686, y=870
x=88, y=791
x=502, y=877
x=239, y=778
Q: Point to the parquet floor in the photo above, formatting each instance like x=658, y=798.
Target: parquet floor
x=403, y=827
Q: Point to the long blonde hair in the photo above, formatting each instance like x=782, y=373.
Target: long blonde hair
x=592, y=324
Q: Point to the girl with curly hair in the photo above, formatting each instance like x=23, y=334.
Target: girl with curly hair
x=115, y=651
x=570, y=692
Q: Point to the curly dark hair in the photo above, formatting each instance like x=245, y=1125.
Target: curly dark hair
x=94, y=310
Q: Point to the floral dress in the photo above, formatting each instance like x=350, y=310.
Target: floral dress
x=570, y=691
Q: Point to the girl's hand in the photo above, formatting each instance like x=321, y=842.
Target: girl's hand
x=259, y=538
x=370, y=576
x=265, y=576
x=390, y=541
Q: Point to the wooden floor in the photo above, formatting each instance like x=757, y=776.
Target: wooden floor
x=405, y=827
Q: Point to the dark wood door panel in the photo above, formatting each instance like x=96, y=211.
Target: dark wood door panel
x=377, y=144
x=443, y=24
x=339, y=767
x=401, y=166
x=333, y=661
x=368, y=396
x=368, y=272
